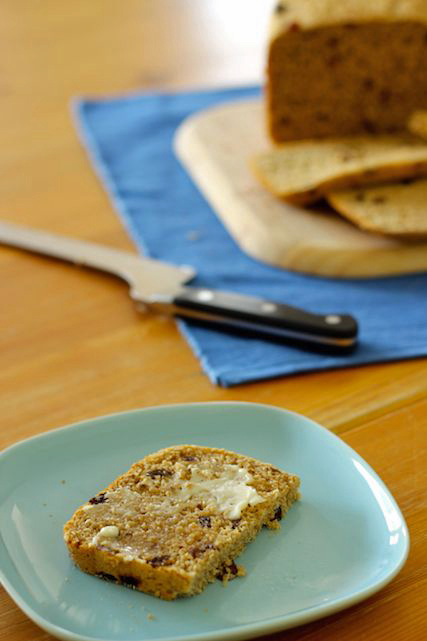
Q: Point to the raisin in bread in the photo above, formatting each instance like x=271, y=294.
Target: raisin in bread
x=178, y=518
x=344, y=68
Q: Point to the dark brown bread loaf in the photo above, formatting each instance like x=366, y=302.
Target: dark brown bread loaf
x=343, y=68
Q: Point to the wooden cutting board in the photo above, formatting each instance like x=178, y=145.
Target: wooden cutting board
x=214, y=145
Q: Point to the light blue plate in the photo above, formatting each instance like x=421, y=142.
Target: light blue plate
x=343, y=541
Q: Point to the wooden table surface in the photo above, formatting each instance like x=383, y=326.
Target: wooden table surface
x=73, y=346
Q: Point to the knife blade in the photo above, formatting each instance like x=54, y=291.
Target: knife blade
x=162, y=288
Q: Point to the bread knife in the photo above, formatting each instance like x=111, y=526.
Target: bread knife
x=163, y=288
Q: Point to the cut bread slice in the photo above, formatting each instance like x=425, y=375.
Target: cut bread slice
x=178, y=519
x=303, y=172
x=397, y=210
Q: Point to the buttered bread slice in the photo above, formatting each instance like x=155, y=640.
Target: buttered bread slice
x=178, y=519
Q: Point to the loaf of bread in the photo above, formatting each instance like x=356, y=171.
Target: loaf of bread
x=343, y=68
x=177, y=519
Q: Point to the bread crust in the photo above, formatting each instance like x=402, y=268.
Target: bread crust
x=311, y=14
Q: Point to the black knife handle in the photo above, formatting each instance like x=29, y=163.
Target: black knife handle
x=264, y=317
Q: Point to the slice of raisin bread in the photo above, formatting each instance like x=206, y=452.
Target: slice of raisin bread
x=345, y=68
x=304, y=171
x=395, y=210
x=178, y=518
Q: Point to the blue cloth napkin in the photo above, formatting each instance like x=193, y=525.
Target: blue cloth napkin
x=129, y=140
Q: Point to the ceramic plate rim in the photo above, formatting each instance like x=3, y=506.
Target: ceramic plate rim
x=241, y=631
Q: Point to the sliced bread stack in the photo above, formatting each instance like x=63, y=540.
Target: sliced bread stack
x=379, y=183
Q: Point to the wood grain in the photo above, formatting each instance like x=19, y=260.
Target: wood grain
x=73, y=346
